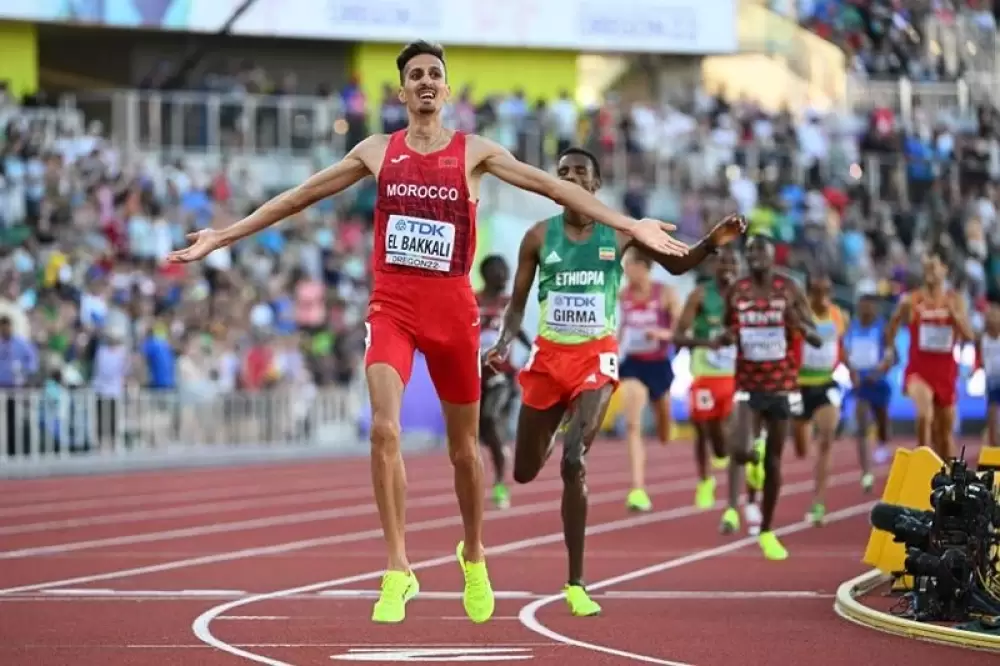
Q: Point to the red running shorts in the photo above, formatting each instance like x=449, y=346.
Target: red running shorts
x=437, y=317
x=711, y=398
x=557, y=374
x=941, y=382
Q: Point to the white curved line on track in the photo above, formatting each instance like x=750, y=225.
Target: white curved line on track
x=528, y=616
x=201, y=627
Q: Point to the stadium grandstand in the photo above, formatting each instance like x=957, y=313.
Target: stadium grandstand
x=120, y=137
x=123, y=132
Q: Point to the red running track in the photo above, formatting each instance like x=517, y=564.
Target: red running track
x=277, y=565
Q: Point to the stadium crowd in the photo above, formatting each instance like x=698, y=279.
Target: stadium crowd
x=87, y=299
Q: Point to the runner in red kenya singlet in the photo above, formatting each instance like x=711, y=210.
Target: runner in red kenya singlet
x=428, y=187
x=763, y=312
x=937, y=319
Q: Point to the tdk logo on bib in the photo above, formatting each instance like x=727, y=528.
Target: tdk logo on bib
x=420, y=243
x=573, y=301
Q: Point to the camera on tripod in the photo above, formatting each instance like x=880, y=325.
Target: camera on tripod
x=951, y=550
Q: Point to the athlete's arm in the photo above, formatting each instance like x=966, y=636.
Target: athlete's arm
x=801, y=317
x=902, y=312
x=685, y=321
x=524, y=276
x=730, y=321
x=960, y=314
x=491, y=157
x=326, y=183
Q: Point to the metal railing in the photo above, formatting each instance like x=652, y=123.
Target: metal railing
x=54, y=423
x=179, y=122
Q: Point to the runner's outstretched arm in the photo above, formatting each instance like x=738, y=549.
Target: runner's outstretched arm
x=899, y=315
x=491, y=157
x=730, y=228
x=326, y=183
x=524, y=276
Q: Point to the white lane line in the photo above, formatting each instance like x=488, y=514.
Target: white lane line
x=429, y=501
x=339, y=539
x=528, y=614
x=202, y=624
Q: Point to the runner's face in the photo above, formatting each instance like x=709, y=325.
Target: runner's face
x=759, y=255
x=424, y=88
x=636, y=271
x=497, y=275
x=819, y=288
x=726, y=267
x=866, y=310
x=578, y=169
x=993, y=319
x=934, y=270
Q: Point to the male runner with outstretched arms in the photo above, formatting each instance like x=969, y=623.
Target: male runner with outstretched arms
x=988, y=356
x=648, y=308
x=937, y=319
x=762, y=314
x=868, y=367
x=712, y=367
x=498, y=383
x=573, y=364
x=425, y=226
x=821, y=397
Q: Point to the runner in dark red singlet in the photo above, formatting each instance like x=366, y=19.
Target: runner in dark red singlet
x=938, y=321
x=498, y=384
x=425, y=215
x=763, y=312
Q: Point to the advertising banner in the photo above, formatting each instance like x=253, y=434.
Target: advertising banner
x=650, y=26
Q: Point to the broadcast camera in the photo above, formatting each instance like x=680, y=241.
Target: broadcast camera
x=951, y=550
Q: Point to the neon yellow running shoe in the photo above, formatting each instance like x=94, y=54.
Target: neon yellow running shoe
x=755, y=471
x=501, y=496
x=730, y=521
x=638, y=500
x=720, y=463
x=772, y=548
x=398, y=587
x=704, y=494
x=817, y=514
x=478, y=595
x=579, y=602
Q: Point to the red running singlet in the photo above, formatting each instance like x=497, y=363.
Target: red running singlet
x=425, y=238
x=639, y=317
x=931, y=357
x=765, y=357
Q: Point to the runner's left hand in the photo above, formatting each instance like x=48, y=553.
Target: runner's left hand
x=497, y=355
x=653, y=235
x=729, y=229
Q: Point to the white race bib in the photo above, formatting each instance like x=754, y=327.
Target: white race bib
x=864, y=354
x=637, y=341
x=763, y=343
x=935, y=338
x=822, y=358
x=420, y=243
x=576, y=314
x=723, y=358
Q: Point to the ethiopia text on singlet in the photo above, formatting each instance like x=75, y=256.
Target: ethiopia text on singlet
x=578, y=284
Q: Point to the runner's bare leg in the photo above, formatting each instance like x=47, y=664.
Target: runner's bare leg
x=385, y=390
x=462, y=426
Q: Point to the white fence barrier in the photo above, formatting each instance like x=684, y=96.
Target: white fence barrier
x=57, y=430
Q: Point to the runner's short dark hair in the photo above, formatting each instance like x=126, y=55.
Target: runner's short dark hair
x=489, y=261
x=583, y=152
x=413, y=49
